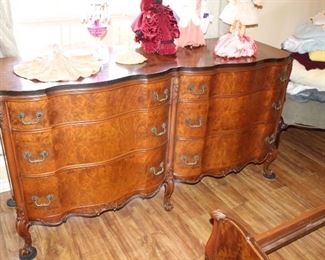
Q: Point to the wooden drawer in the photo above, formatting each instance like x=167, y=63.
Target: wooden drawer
x=229, y=113
x=86, y=143
x=28, y=114
x=86, y=105
x=188, y=159
x=36, y=153
x=228, y=150
x=103, y=186
x=194, y=87
x=191, y=119
x=238, y=81
x=221, y=153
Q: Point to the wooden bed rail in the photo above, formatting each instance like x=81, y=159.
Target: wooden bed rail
x=230, y=240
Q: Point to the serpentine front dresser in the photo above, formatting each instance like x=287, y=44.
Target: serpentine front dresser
x=84, y=147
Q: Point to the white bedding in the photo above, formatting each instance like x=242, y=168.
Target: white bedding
x=314, y=78
x=305, y=103
x=307, y=37
x=295, y=88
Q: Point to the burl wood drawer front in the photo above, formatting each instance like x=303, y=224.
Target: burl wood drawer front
x=221, y=153
x=103, y=186
x=228, y=150
x=53, y=149
x=188, y=158
x=246, y=80
x=241, y=111
x=191, y=119
x=194, y=86
x=35, y=152
x=26, y=114
x=79, y=106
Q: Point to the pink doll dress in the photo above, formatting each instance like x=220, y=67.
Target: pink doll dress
x=234, y=45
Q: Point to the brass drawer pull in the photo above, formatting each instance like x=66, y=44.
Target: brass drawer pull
x=154, y=130
x=164, y=98
x=195, y=161
x=43, y=154
x=270, y=139
x=156, y=172
x=277, y=105
x=190, y=88
x=49, y=198
x=190, y=124
x=38, y=118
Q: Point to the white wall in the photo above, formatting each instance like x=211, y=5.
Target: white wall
x=279, y=18
x=213, y=29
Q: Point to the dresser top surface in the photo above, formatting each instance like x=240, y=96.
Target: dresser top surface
x=185, y=59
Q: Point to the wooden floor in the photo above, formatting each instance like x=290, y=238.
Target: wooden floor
x=144, y=230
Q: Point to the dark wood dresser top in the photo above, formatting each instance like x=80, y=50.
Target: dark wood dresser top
x=185, y=59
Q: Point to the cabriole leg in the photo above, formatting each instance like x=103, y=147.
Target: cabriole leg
x=169, y=189
x=28, y=253
x=22, y=225
x=267, y=172
x=273, y=143
x=282, y=127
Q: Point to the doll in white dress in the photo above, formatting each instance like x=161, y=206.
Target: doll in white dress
x=193, y=21
x=238, y=14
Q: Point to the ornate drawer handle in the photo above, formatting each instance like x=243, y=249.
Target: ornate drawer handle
x=163, y=99
x=156, y=172
x=190, y=124
x=190, y=88
x=154, y=130
x=38, y=118
x=196, y=159
x=270, y=139
x=277, y=105
x=49, y=198
x=43, y=154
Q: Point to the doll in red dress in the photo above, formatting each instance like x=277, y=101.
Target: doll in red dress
x=156, y=28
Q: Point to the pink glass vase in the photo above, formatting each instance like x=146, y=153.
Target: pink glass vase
x=98, y=30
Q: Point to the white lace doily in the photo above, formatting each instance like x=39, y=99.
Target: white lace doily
x=130, y=57
x=58, y=67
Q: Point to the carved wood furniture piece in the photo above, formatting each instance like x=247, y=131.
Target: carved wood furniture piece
x=84, y=147
x=230, y=240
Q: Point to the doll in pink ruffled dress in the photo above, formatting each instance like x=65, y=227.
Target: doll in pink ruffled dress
x=239, y=14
